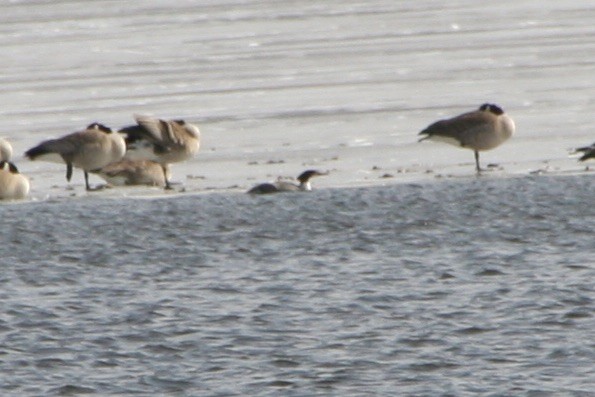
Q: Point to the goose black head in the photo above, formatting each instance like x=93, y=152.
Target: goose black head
x=99, y=127
x=8, y=166
x=492, y=108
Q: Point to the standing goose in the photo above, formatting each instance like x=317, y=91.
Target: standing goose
x=5, y=150
x=588, y=152
x=479, y=130
x=90, y=149
x=128, y=172
x=13, y=185
x=162, y=141
x=284, y=186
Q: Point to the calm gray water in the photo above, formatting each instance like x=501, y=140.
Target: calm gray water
x=479, y=286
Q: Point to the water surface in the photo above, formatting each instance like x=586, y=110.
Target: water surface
x=473, y=287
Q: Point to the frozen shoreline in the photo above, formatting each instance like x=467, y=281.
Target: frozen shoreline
x=277, y=89
x=362, y=168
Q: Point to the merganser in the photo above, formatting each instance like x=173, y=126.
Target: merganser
x=284, y=186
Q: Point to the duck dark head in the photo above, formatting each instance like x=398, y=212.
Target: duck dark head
x=490, y=107
x=8, y=166
x=306, y=175
x=99, y=127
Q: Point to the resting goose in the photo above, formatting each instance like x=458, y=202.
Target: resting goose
x=13, y=185
x=128, y=172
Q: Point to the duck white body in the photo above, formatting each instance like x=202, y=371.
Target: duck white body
x=483, y=129
x=13, y=185
x=90, y=149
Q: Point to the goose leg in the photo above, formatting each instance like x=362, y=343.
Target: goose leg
x=87, y=182
x=477, y=167
x=167, y=185
x=92, y=189
x=68, y=171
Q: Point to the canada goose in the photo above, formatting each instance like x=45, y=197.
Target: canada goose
x=479, y=130
x=5, y=150
x=162, y=141
x=588, y=152
x=90, y=149
x=284, y=186
x=13, y=185
x=128, y=172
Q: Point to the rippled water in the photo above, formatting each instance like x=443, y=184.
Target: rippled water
x=475, y=287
